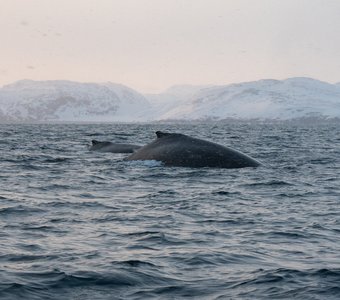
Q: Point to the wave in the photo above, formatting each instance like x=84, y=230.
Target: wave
x=20, y=210
x=134, y=279
x=58, y=284
x=291, y=284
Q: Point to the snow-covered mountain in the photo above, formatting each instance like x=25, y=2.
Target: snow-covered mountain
x=60, y=101
x=263, y=99
x=42, y=101
x=170, y=99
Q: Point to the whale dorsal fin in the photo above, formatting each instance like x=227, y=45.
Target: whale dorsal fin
x=162, y=134
x=95, y=142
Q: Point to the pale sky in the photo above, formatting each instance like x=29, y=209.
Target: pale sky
x=150, y=45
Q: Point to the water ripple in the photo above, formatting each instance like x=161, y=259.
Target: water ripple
x=77, y=224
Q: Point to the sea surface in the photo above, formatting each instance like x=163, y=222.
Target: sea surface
x=76, y=224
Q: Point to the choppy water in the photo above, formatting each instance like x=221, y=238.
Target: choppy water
x=76, y=224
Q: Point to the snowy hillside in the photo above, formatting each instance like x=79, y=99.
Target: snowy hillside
x=264, y=99
x=60, y=101
x=39, y=101
x=169, y=100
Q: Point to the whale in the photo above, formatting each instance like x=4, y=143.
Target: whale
x=104, y=146
x=180, y=150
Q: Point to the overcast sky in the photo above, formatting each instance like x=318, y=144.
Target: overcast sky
x=150, y=45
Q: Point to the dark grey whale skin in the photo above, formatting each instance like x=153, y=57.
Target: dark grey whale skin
x=113, y=147
x=179, y=150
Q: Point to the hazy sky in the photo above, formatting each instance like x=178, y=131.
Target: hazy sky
x=153, y=44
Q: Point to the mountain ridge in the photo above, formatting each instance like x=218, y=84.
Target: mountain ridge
x=267, y=99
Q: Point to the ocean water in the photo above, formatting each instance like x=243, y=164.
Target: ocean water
x=76, y=224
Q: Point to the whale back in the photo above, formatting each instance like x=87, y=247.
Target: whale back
x=175, y=149
x=113, y=147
